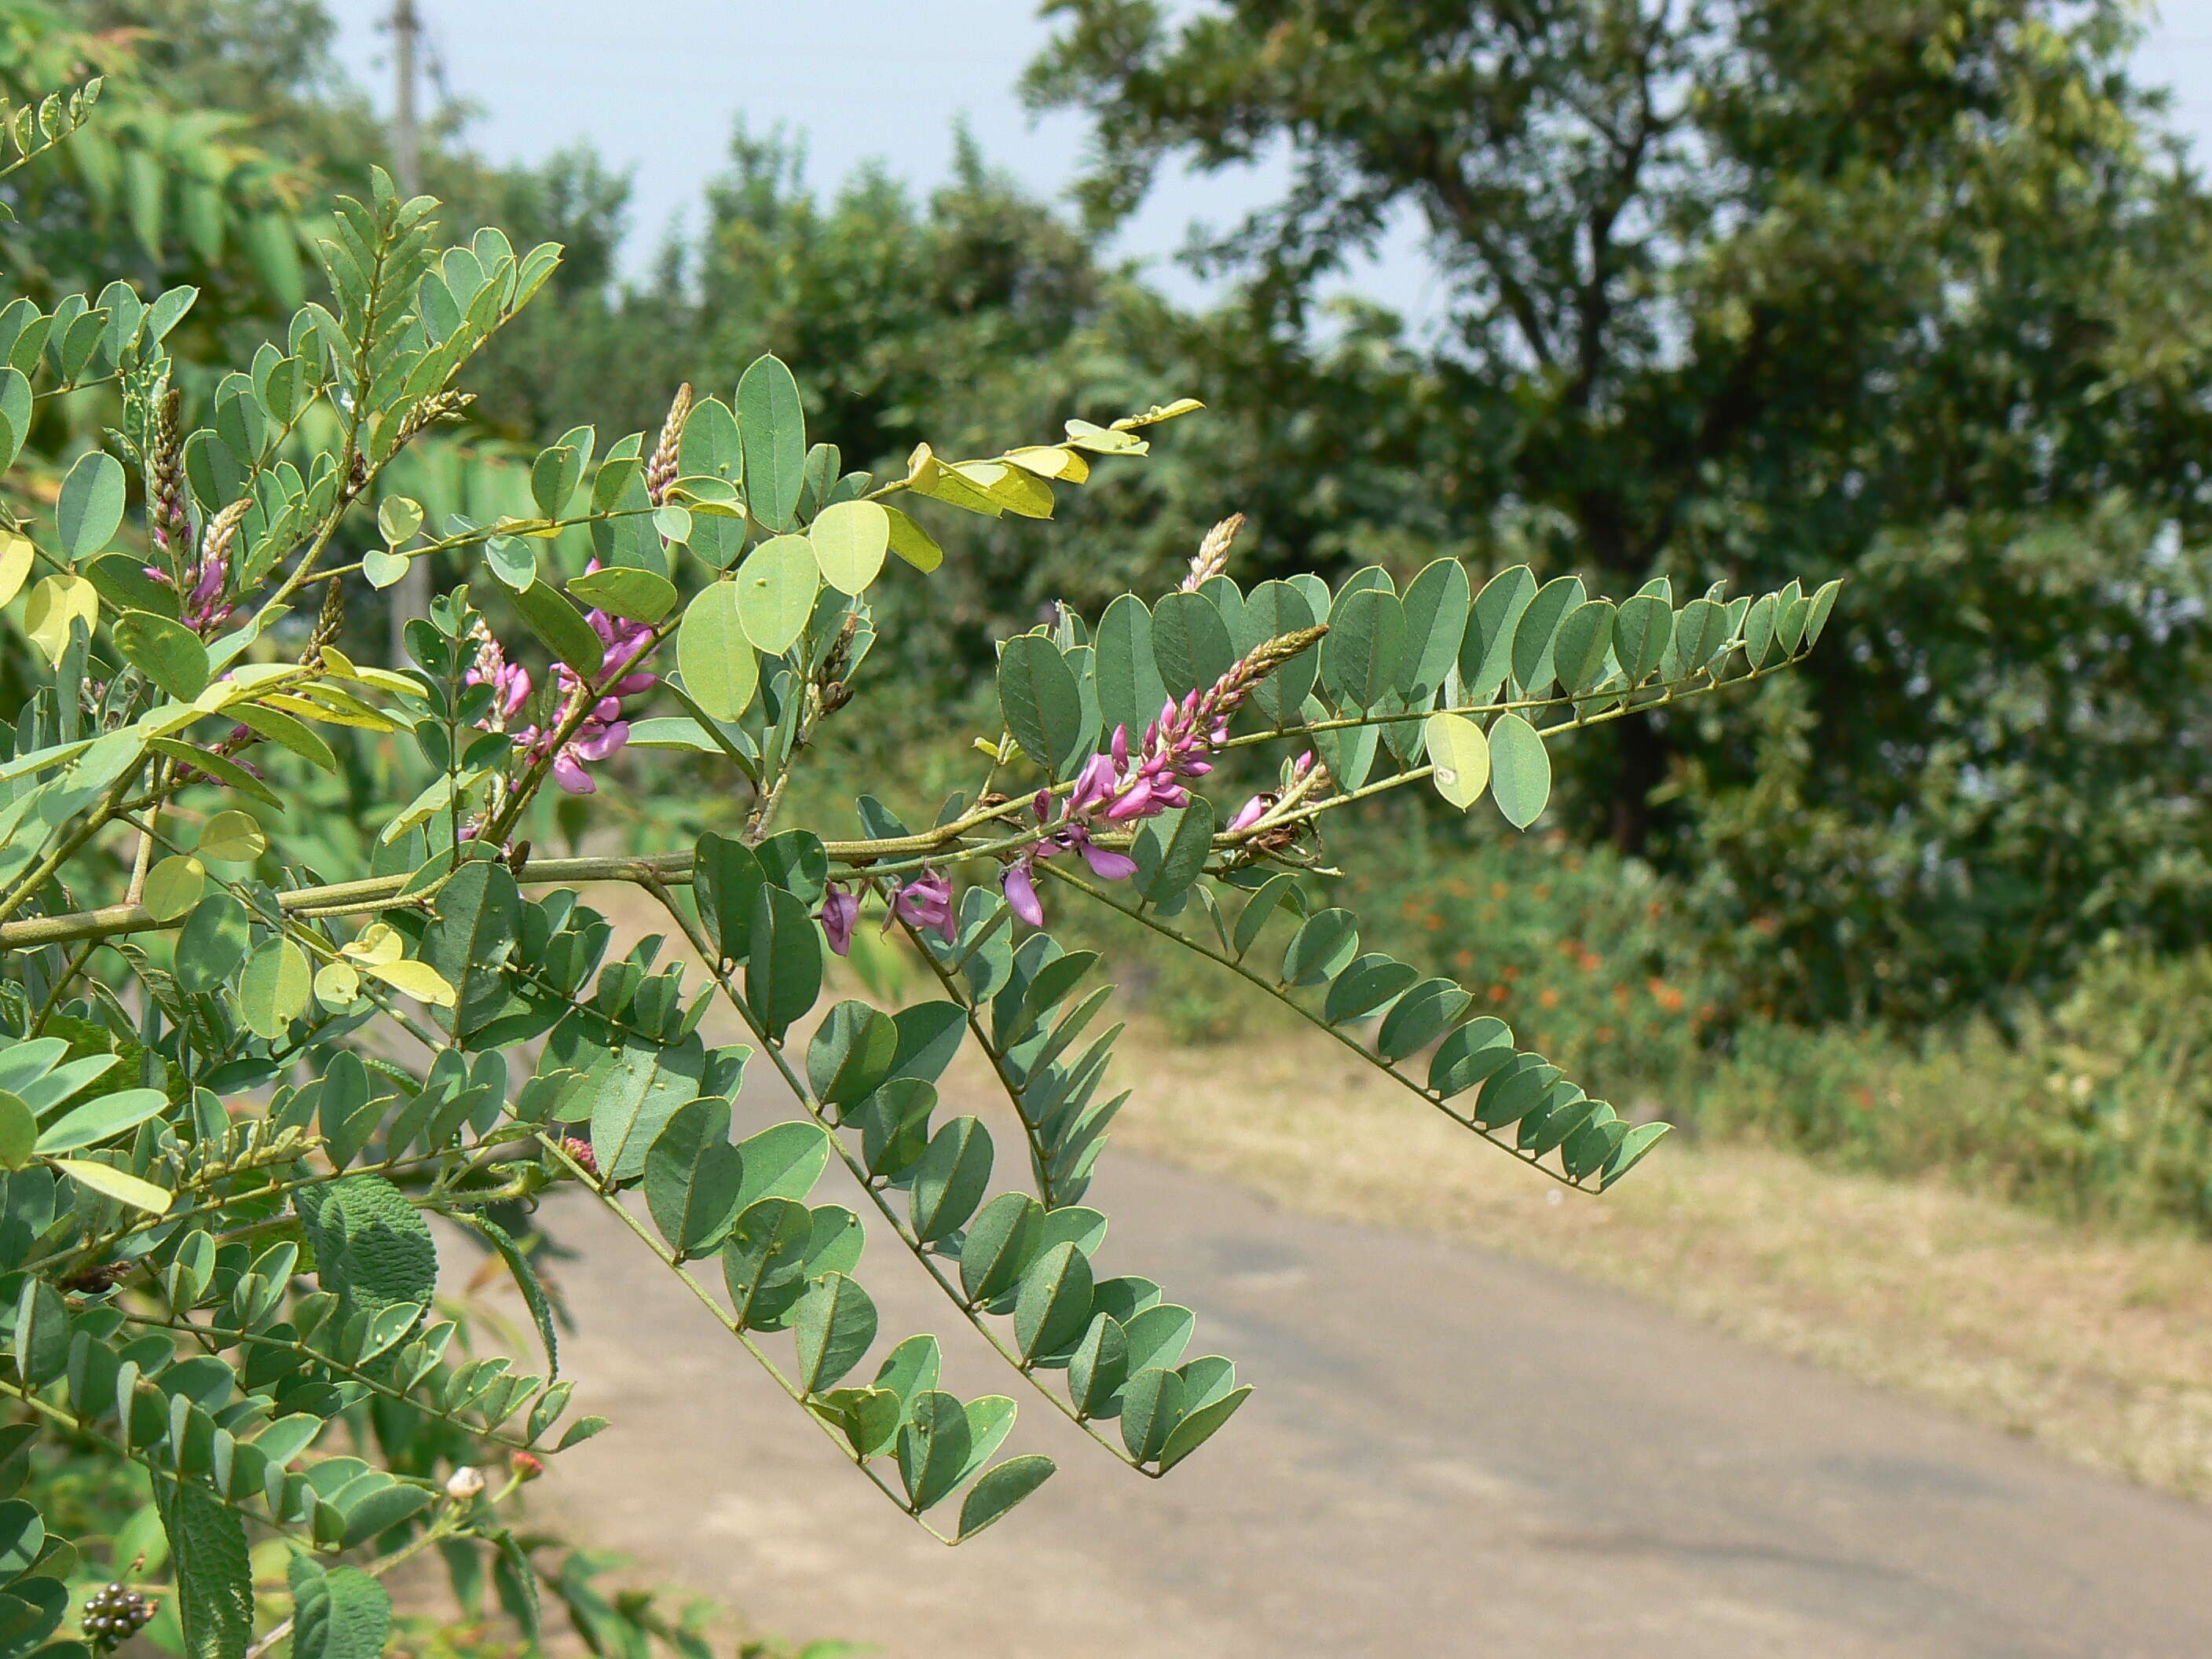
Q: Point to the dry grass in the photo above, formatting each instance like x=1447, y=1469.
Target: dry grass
x=2097, y=1345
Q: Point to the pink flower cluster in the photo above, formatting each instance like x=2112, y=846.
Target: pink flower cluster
x=602, y=731
x=203, y=608
x=1124, y=785
x=926, y=902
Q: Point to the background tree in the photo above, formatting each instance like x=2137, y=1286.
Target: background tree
x=1912, y=292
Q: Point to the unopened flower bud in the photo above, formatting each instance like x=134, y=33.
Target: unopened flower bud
x=465, y=1483
x=580, y=1150
x=527, y=1467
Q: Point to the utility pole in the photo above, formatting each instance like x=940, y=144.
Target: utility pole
x=411, y=596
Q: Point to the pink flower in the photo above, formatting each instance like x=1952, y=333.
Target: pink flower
x=839, y=910
x=1248, y=814
x=1020, y=888
x=926, y=902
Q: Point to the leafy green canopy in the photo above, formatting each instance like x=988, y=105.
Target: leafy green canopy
x=244, y=1057
x=1914, y=292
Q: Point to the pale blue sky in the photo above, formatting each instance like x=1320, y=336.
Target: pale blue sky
x=656, y=83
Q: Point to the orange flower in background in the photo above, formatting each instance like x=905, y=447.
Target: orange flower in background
x=1498, y=889
x=1498, y=994
x=1548, y=998
x=1463, y=960
x=1667, y=996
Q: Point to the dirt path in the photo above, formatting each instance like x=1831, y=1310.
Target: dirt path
x=1450, y=1453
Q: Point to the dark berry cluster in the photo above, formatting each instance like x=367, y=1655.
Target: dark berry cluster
x=114, y=1615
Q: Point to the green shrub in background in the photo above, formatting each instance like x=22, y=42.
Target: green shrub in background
x=2099, y=1108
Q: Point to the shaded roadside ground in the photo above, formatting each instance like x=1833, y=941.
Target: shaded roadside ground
x=1449, y=1452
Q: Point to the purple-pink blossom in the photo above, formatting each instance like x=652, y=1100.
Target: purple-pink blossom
x=602, y=731
x=1117, y=787
x=926, y=902
x=201, y=606
x=839, y=910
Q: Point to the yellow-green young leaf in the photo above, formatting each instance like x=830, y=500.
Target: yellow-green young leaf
x=293, y=733
x=233, y=837
x=912, y=542
x=721, y=671
x=1520, y=771
x=850, y=539
x=173, y=886
x=1050, y=461
x=19, y=1131
x=15, y=554
x=337, y=986
x=383, y=566
x=273, y=990
x=1460, y=755
x=54, y=604
x=115, y=1184
x=776, y=585
x=415, y=979
x=398, y=518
